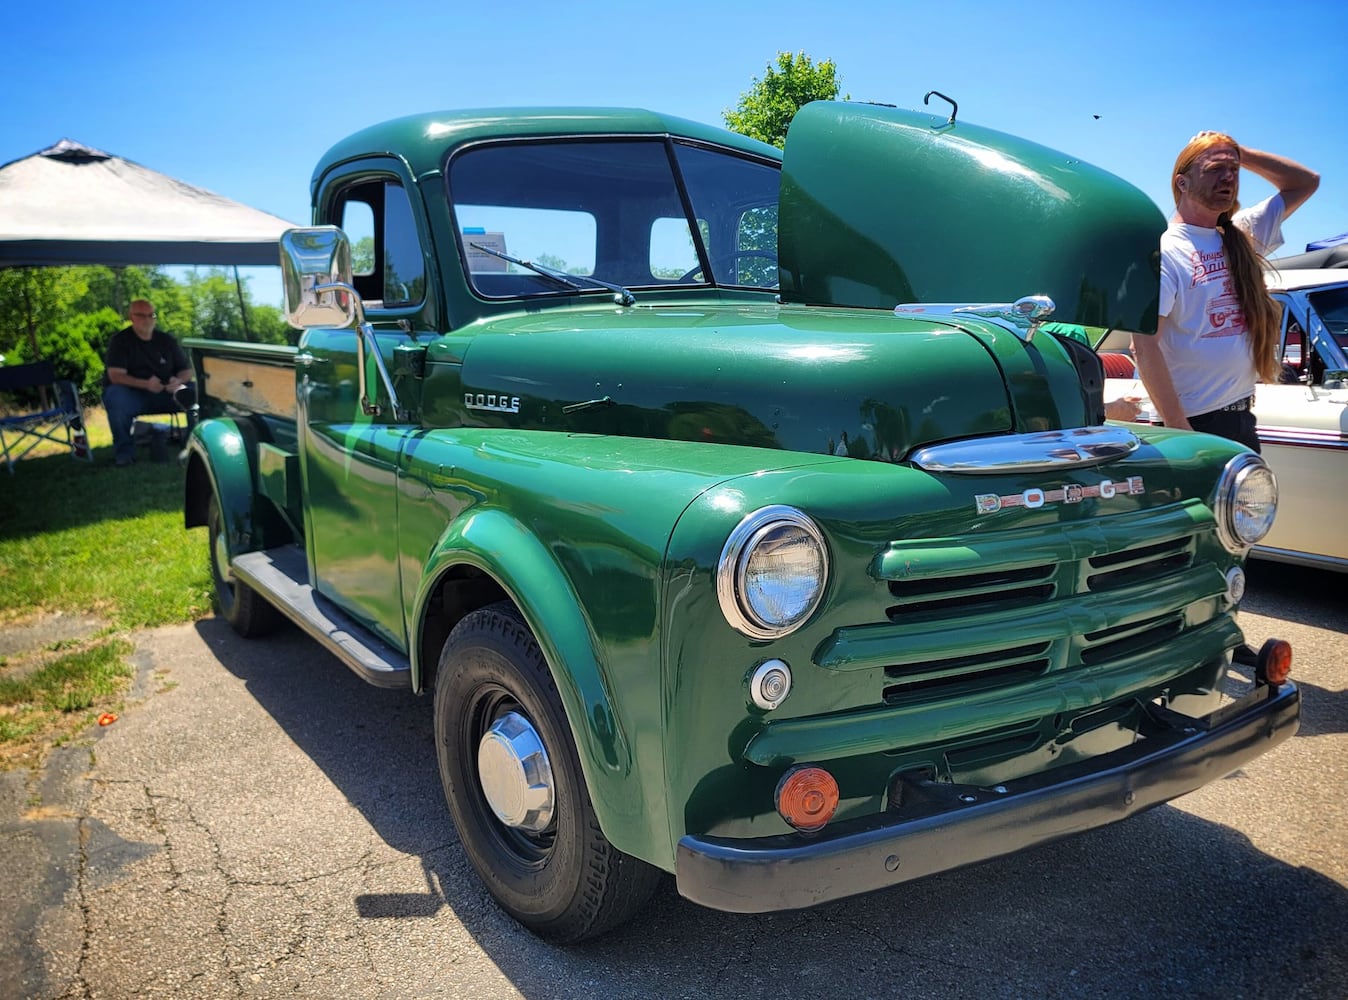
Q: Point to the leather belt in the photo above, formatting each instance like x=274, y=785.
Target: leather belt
x=1238, y=406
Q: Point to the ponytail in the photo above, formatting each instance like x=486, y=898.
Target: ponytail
x=1246, y=268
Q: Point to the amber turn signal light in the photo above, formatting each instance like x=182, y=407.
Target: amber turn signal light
x=807, y=798
x=1274, y=663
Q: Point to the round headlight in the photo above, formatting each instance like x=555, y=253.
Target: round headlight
x=1247, y=499
x=772, y=572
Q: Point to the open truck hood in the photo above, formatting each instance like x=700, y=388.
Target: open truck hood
x=881, y=206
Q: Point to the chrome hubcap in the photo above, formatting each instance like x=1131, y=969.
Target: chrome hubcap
x=515, y=774
x=222, y=558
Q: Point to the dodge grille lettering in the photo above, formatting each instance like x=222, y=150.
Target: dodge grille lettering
x=1106, y=489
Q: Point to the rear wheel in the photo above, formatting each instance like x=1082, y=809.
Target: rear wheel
x=244, y=608
x=515, y=789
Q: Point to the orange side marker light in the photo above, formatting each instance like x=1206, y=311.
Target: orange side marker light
x=1274, y=663
x=807, y=798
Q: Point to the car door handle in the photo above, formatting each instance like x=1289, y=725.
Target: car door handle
x=306, y=359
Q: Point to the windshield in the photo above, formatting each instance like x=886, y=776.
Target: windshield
x=613, y=211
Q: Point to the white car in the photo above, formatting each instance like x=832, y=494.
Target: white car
x=1303, y=421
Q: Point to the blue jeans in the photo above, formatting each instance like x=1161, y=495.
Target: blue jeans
x=124, y=404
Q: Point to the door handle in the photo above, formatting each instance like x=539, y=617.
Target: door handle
x=306, y=359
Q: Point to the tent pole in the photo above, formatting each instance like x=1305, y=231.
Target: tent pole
x=32, y=327
x=243, y=309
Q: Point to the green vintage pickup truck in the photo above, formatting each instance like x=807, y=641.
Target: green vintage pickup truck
x=734, y=505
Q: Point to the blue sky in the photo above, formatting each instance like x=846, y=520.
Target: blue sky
x=242, y=98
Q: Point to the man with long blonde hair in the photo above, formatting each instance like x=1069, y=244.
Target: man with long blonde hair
x=1218, y=327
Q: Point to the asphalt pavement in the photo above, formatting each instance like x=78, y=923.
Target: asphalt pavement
x=261, y=823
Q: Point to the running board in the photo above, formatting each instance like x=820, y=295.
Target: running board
x=281, y=576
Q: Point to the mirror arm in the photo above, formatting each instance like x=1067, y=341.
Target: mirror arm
x=367, y=339
x=366, y=343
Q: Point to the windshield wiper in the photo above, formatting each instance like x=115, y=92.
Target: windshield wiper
x=621, y=296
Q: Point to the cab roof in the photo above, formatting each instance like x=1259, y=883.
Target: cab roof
x=424, y=140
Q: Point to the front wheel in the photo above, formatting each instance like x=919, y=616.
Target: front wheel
x=244, y=608
x=515, y=789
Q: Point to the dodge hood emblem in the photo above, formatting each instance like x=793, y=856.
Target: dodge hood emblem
x=1107, y=489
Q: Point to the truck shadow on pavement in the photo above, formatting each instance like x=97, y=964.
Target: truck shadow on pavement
x=1168, y=903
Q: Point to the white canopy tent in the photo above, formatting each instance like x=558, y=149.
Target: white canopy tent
x=72, y=204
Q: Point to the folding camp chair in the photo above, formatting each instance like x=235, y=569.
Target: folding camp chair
x=63, y=422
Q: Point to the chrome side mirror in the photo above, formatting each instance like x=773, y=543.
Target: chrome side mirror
x=316, y=275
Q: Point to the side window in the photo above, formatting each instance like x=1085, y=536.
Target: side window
x=404, y=265
x=358, y=224
x=756, y=246
x=1293, y=354
x=388, y=265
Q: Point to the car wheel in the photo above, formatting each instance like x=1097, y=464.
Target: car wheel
x=247, y=611
x=512, y=778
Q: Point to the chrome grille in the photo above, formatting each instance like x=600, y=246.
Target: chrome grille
x=1020, y=606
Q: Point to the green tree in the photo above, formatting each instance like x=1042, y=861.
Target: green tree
x=67, y=315
x=76, y=345
x=268, y=325
x=212, y=304
x=362, y=255
x=33, y=299
x=553, y=261
x=765, y=110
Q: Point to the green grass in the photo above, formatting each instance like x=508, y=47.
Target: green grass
x=93, y=541
x=99, y=540
x=71, y=683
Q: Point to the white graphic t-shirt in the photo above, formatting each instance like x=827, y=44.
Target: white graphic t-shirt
x=1206, y=348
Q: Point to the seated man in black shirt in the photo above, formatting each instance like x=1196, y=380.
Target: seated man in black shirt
x=144, y=367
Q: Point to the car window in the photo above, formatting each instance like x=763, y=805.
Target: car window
x=387, y=262
x=404, y=266
x=1332, y=307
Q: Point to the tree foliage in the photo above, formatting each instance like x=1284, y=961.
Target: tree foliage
x=362, y=255
x=765, y=110
x=66, y=315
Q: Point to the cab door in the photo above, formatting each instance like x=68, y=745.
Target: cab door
x=349, y=452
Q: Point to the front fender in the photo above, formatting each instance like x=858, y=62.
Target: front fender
x=493, y=542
